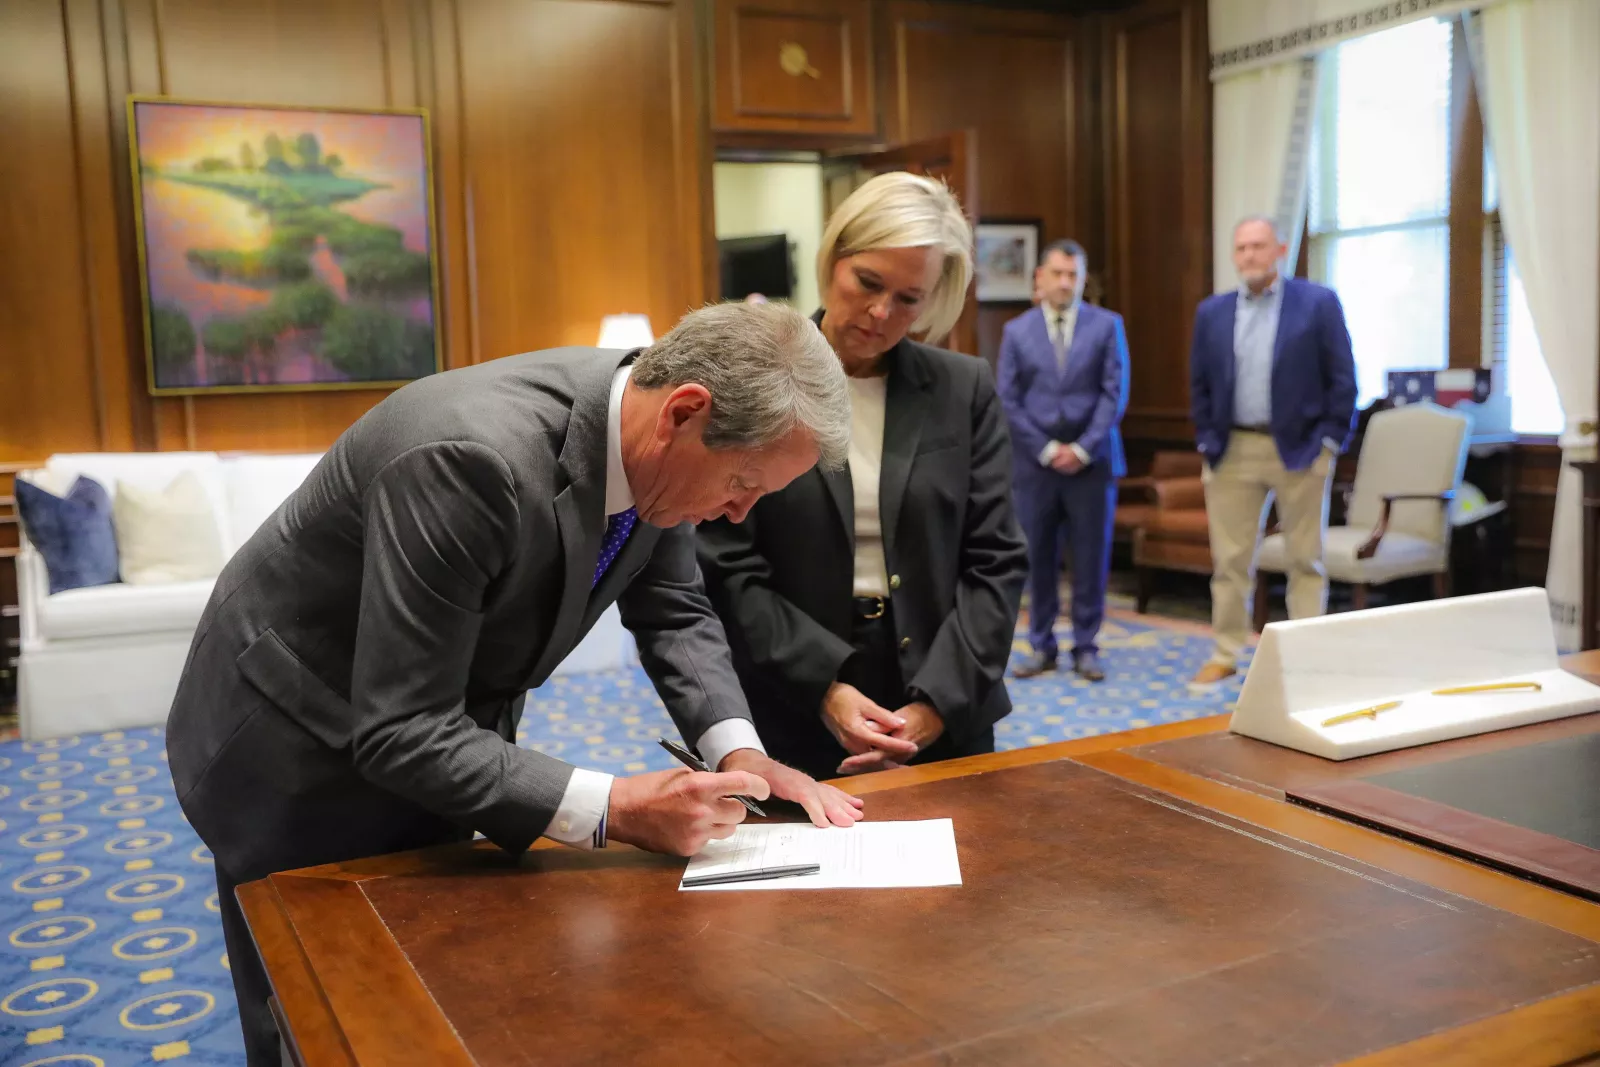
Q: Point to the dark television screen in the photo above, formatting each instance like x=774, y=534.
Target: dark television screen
x=755, y=265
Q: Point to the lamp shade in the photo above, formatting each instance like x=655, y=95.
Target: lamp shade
x=625, y=331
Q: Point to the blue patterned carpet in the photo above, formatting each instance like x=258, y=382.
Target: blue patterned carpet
x=113, y=952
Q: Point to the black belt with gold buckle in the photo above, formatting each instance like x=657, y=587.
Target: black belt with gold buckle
x=871, y=607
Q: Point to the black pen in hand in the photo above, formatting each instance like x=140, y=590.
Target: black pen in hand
x=695, y=763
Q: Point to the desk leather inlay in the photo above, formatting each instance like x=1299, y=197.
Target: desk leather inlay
x=1542, y=857
x=1274, y=771
x=1533, y=809
x=1095, y=927
x=1551, y=788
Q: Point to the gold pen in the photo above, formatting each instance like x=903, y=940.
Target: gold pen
x=1364, y=713
x=1532, y=687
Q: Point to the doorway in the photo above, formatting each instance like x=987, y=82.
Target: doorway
x=770, y=208
x=767, y=213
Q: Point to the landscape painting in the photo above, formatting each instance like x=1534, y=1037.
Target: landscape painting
x=283, y=248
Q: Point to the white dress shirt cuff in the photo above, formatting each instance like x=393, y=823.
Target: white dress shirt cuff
x=583, y=805
x=1047, y=454
x=1331, y=445
x=726, y=736
x=1081, y=452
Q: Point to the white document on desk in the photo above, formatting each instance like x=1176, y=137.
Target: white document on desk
x=868, y=855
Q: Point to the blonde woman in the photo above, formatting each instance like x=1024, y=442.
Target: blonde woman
x=871, y=610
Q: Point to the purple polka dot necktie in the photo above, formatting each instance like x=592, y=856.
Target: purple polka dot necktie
x=618, y=527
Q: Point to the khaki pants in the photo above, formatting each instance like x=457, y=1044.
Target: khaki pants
x=1237, y=493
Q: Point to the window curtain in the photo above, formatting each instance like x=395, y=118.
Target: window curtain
x=1540, y=84
x=1260, y=132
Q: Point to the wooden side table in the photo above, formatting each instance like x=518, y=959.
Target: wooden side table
x=1589, y=633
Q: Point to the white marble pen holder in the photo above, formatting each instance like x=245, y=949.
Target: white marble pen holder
x=1308, y=671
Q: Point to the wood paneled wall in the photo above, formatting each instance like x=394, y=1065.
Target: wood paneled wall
x=64, y=355
x=1024, y=83
x=571, y=165
x=1015, y=78
x=1098, y=126
x=1158, y=202
x=572, y=168
x=572, y=173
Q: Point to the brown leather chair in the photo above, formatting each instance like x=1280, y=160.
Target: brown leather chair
x=1135, y=505
x=1174, y=535
x=1136, y=497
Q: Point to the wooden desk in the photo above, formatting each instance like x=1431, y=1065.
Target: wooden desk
x=1115, y=910
x=1521, y=800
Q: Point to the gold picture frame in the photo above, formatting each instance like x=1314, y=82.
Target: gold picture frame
x=284, y=248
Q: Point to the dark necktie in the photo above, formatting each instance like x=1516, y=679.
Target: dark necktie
x=618, y=527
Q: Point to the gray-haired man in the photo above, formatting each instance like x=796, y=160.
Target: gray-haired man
x=356, y=680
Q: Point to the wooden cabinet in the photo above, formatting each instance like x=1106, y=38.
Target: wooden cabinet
x=793, y=66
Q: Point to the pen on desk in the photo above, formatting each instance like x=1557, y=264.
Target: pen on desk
x=1491, y=687
x=1364, y=713
x=761, y=875
x=695, y=763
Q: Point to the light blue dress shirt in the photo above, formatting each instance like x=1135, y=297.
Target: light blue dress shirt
x=1255, y=333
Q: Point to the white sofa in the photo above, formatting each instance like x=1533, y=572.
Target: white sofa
x=109, y=657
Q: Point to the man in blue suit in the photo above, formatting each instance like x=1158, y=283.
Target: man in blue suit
x=1273, y=389
x=1063, y=379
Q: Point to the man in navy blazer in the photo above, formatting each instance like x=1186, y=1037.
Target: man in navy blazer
x=1063, y=378
x=1273, y=390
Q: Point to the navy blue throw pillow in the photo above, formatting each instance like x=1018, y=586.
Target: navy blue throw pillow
x=73, y=533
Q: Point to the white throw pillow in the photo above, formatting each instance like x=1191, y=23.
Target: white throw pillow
x=166, y=535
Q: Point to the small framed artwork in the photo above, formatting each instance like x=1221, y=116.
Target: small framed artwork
x=1008, y=251
x=283, y=248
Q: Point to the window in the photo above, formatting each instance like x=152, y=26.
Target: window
x=1379, y=220
x=1513, y=344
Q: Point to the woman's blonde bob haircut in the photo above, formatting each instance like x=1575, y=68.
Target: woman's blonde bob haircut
x=901, y=210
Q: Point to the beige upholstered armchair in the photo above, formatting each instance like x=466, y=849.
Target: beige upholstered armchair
x=1398, y=518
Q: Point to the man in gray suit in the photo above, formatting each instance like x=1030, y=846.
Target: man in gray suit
x=356, y=680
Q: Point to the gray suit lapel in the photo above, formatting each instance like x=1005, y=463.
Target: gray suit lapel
x=580, y=510
x=905, y=407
